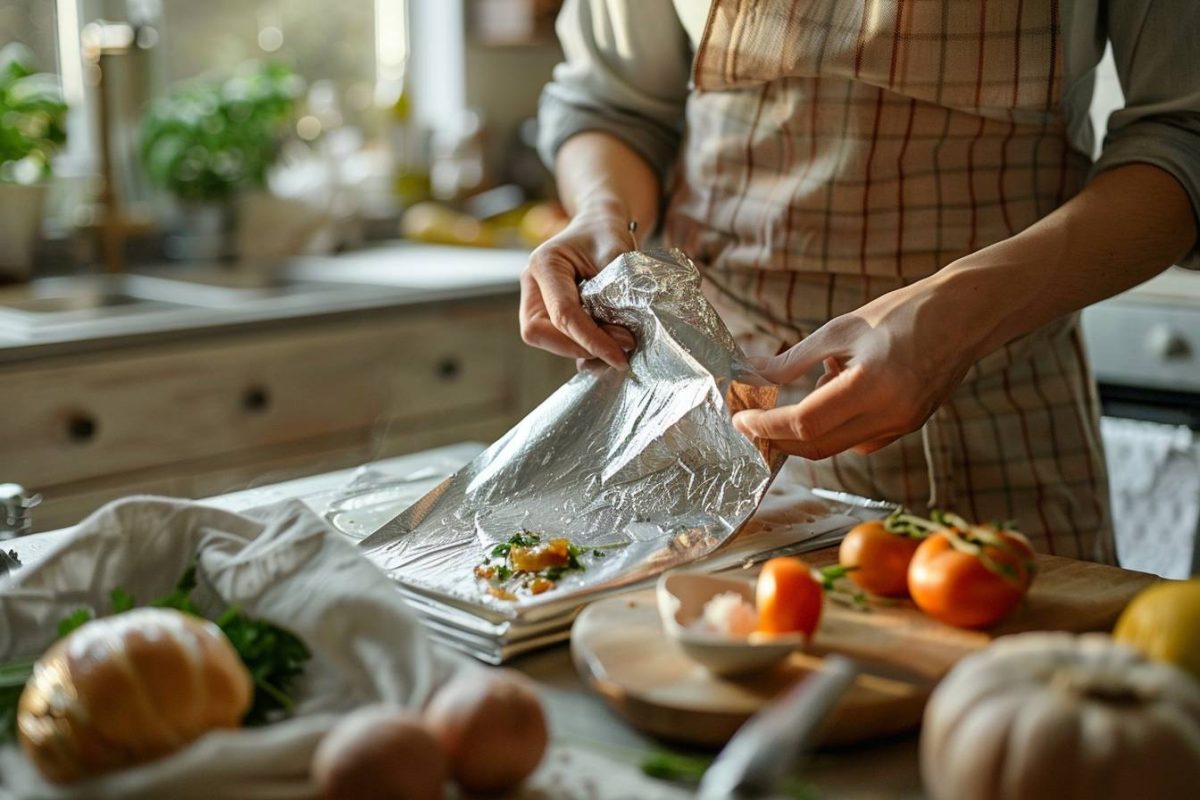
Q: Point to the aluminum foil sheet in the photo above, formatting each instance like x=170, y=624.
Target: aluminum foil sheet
x=642, y=468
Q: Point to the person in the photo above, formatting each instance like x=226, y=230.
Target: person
x=893, y=206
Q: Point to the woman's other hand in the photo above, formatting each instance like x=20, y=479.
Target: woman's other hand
x=888, y=366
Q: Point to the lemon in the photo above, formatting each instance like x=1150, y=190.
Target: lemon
x=1163, y=622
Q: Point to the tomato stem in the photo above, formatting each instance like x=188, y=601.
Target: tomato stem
x=902, y=523
x=965, y=539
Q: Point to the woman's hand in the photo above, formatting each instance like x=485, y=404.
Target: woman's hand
x=552, y=317
x=888, y=366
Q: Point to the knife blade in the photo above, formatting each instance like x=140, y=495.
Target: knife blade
x=771, y=742
x=855, y=500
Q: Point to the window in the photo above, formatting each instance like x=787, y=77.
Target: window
x=357, y=49
x=32, y=23
x=325, y=41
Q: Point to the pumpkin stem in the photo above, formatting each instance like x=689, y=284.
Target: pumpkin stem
x=1105, y=686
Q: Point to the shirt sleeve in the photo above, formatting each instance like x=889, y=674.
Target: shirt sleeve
x=625, y=72
x=1155, y=46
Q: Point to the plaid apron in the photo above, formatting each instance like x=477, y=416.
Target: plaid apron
x=839, y=149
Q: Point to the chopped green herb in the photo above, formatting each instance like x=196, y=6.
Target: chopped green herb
x=522, y=539
x=275, y=658
x=504, y=571
x=678, y=768
x=121, y=600
x=12, y=683
x=77, y=619
x=180, y=598
x=672, y=767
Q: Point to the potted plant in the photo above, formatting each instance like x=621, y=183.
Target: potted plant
x=210, y=139
x=32, y=128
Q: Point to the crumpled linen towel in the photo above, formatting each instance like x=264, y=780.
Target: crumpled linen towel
x=286, y=566
x=1154, y=475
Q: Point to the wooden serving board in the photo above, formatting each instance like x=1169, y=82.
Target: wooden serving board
x=619, y=647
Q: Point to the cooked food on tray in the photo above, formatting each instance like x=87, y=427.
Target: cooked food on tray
x=525, y=564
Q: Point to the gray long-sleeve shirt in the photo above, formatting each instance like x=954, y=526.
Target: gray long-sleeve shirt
x=628, y=63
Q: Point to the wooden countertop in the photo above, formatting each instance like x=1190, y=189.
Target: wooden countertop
x=594, y=753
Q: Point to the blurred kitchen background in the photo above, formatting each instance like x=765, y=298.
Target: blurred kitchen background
x=249, y=240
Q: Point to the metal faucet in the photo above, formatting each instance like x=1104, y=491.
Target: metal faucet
x=101, y=43
x=15, y=506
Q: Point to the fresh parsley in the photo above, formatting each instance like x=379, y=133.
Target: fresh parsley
x=689, y=770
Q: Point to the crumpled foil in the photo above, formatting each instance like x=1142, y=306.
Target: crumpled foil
x=643, y=468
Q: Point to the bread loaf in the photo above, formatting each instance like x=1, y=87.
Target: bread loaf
x=127, y=689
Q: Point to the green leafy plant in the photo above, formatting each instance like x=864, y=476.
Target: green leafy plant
x=213, y=136
x=32, y=117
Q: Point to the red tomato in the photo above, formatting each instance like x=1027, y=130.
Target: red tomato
x=788, y=597
x=959, y=588
x=880, y=557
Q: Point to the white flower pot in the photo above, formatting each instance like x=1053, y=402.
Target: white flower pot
x=201, y=232
x=20, y=227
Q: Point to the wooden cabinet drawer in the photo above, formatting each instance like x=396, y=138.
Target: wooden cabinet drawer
x=179, y=403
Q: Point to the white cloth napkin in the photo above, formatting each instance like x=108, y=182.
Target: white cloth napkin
x=1154, y=474
x=287, y=567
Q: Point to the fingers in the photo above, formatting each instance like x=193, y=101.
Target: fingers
x=559, y=297
x=858, y=430
x=834, y=403
x=873, y=446
x=841, y=414
x=832, y=370
x=624, y=339
x=798, y=360
x=537, y=331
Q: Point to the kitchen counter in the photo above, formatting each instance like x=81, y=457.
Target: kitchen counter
x=594, y=750
x=370, y=281
x=194, y=380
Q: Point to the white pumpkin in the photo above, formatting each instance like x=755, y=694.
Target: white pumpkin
x=1059, y=716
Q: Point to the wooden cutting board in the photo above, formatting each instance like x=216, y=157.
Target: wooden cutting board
x=619, y=647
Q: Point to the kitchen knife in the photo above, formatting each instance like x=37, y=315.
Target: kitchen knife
x=771, y=742
x=855, y=500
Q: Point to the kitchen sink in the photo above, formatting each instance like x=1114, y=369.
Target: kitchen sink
x=77, y=298
x=179, y=296
x=220, y=284
x=186, y=296
x=81, y=301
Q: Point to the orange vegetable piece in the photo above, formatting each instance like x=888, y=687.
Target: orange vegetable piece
x=881, y=558
x=554, y=553
x=501, y=594
x=539, y=585
x=950, y=581
x=788, y=597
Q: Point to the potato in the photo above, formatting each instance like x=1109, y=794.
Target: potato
x=380, y=753
x=491, y=725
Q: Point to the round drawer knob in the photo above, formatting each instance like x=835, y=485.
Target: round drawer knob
x=449, y=368
x=256, y=399
x=1166, y=344
x=81, y=428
